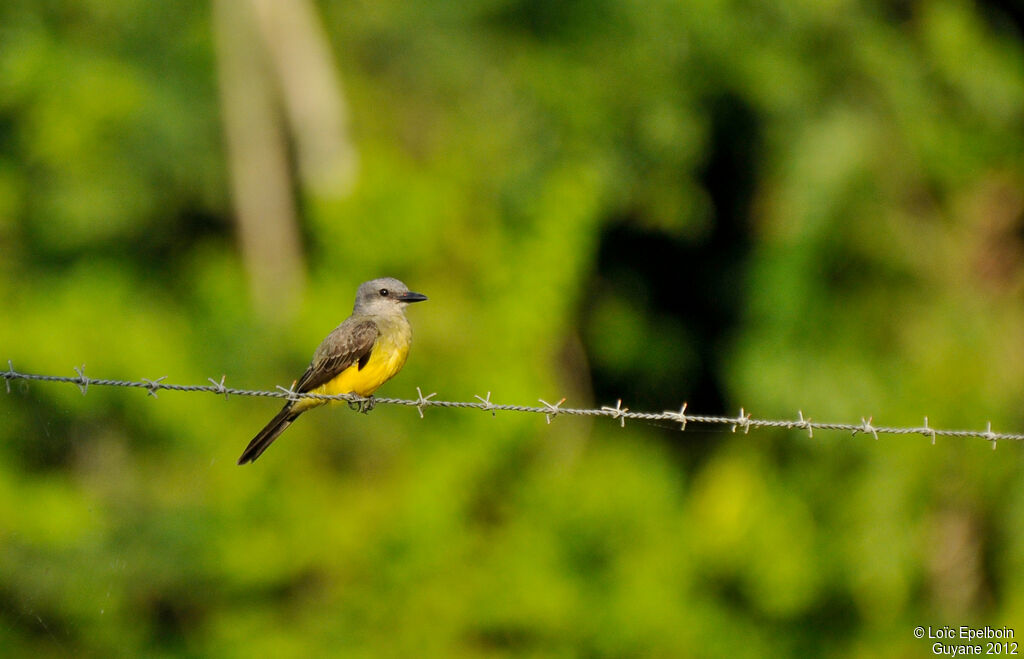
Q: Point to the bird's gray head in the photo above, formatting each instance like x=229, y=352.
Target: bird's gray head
x=384, y=295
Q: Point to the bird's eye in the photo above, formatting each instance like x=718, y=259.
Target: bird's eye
x=384, y=292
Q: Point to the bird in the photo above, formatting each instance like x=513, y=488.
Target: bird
x=366, y=350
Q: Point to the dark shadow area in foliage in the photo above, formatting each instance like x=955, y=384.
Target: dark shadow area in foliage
x=172, y=616
x=36, y=621
x=557, y=21
x=1001, y=12
x=169, y=242
x=47, y=438
x=152, y=253
x=510, y=637
x=834, y=619
x=51, y=438
x=696, y=284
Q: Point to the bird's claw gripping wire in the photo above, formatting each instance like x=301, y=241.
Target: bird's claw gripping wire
x=363, y=405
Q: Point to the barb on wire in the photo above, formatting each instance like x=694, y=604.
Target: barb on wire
x=422, y=400
x=928, y=432
x=220, y=389
x=550, y=411
x=486, y=402
x=81, y=380
x=617, y=412
x=745, y=420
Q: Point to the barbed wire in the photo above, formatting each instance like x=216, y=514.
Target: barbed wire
x=744, y=421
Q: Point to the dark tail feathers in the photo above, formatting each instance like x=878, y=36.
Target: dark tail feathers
x=266, y=437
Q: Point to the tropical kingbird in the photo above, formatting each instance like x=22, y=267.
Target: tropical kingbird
x=364, y=352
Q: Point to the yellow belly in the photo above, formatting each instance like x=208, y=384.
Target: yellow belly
x=386, y=359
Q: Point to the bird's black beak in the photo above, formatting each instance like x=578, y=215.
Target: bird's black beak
x=409, y=296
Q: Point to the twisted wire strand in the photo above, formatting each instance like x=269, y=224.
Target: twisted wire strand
x=744, y=420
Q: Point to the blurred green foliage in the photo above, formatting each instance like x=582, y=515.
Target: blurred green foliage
x=861, y=233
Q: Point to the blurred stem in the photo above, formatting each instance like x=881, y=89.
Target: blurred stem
x=258, y=163
x=312, y=93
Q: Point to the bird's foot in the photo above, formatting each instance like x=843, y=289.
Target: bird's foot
x=363, y=406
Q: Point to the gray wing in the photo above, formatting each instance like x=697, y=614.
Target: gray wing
x=348, y=344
